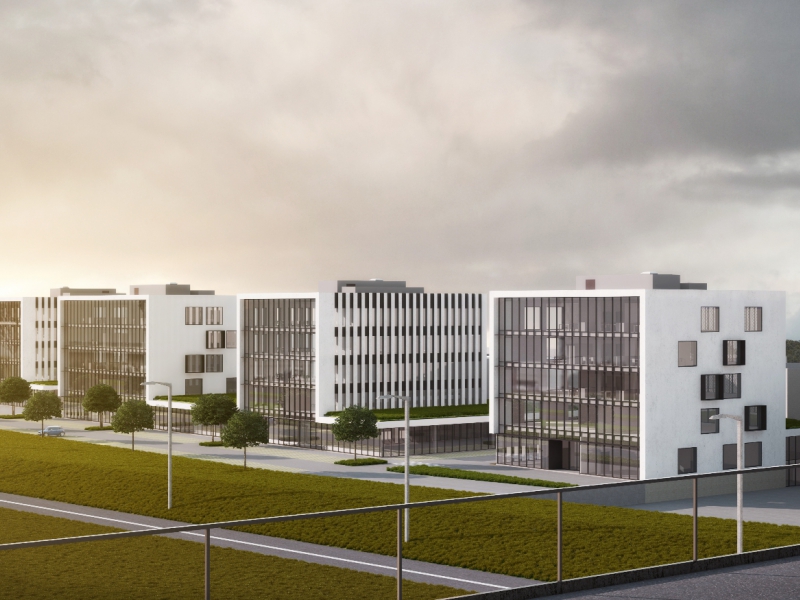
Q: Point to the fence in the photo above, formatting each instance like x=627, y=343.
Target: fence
x=659, y=571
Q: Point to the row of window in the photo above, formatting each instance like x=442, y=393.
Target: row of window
x=216, y=339
x=194, y=315
x=194, y=387
x=687, y=457
x=203, y=363
x=732, y=353
x=755, y=419
x=721, y=386
x=709, y=318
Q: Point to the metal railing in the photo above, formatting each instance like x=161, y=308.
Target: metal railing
x=399, y=508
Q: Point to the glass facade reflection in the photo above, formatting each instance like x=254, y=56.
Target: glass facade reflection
x=567, y=384
x=103, y=341
x=10, y=348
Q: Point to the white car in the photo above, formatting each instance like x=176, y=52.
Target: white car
x=53, y=430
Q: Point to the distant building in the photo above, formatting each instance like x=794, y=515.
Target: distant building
x=185, y=339
x=620, y=376
x=28, y=338
x=307, y=354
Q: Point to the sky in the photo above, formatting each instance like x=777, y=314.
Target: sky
x=256, y=145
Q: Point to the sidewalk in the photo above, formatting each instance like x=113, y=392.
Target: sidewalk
x=305, y=460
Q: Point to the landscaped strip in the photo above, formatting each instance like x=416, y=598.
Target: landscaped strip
x=515, y=537
x=361, y=462
x=430, y=412
x=156, y=568
x=478, y=476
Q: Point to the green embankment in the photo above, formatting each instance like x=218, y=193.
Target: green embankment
x=155, y=568
x=516, y=537
x=478, y=476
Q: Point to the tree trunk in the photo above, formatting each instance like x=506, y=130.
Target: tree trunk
x=100, y=415
x=355, y=456
x=42, y=427
x=133, y=433
x=245, y=458
x=213, y=431
x=13, y=408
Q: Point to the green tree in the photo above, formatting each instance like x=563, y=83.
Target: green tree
x=133, y=416
x=41, y=406
x=355, y=424
x=13, y=391
x=245, y=429
x=101, y=398
x=213, y=410
x=792, y=351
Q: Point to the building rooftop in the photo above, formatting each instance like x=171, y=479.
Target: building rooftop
x=67, y=291
x=371, y=286
x=167, y=289
x=642, y=281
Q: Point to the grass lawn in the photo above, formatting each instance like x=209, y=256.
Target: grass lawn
x=478, y=476
x=155, y=568
x=431, y=412
x=516, y=537
x=792, y=423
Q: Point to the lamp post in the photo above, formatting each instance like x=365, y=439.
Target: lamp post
x=407, y=403
x=739, y=476
x=169, y=438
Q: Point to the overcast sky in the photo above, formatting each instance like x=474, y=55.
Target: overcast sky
x=253, y=145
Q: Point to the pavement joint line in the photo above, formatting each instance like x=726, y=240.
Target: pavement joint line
x=278, y=548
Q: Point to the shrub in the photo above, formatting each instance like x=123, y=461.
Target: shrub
x=478, y=476
x=360, y=462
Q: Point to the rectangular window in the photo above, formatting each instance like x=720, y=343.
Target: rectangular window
x=755, y=418
x=532, y=317
x=555, y=348
x=194, y=315
x=709, y=318
x=728, y=456
x=687, y=460
x=752, y=318
x=710, y=387
x=732, y=385
x=193, y=387
x=752, y=454
x=687, y=354
x=213, y=363
x=230, y=338
x=706, y=424
x=195, y=363
x=230, y=385
x=733, y=352
x=213, y=315
x=215, y=339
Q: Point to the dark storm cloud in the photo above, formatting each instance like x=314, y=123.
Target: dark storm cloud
x=254, y=146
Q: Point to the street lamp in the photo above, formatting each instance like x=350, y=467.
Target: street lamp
x=169, y=437
x=407, y=403
x=739, y=476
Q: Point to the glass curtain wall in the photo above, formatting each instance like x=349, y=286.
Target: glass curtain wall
x=104, y=341
x=568, y=373
x=10, y=350
x=278, y=357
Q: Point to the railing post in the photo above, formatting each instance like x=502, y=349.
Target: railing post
x=560, y=540
x=208, y=565
x=694, y=519
x=399, y=554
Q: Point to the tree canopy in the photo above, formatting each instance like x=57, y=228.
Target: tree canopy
x=41, y=406
x=792, y=351
x=13, y=391
x=101, y=398
x=213, y=410
x=245, y=429
x=355, y=424
x=133, y=416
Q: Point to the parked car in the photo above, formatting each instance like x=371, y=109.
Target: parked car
x=53, y=430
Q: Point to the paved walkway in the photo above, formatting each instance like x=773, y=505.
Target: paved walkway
x=466, y=579
x=773, y=579
x=304, y=460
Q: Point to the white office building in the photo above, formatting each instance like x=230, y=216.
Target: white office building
x=166, y=333
x=351, y=344
x=620, y=376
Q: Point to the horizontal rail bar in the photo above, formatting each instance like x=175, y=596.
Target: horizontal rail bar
x=381, y=508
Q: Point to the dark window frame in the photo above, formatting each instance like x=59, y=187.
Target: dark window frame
x=733, y=352
x=687, y=460
x=757, y=421
x=707, y=425
x=194, y=363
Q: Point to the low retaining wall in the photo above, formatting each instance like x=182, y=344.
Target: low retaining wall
x=580, y=584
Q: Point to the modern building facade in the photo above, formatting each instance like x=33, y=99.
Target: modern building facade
x=29, y=338
x=620, y=376
x=354, y=343
x=185, y=339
